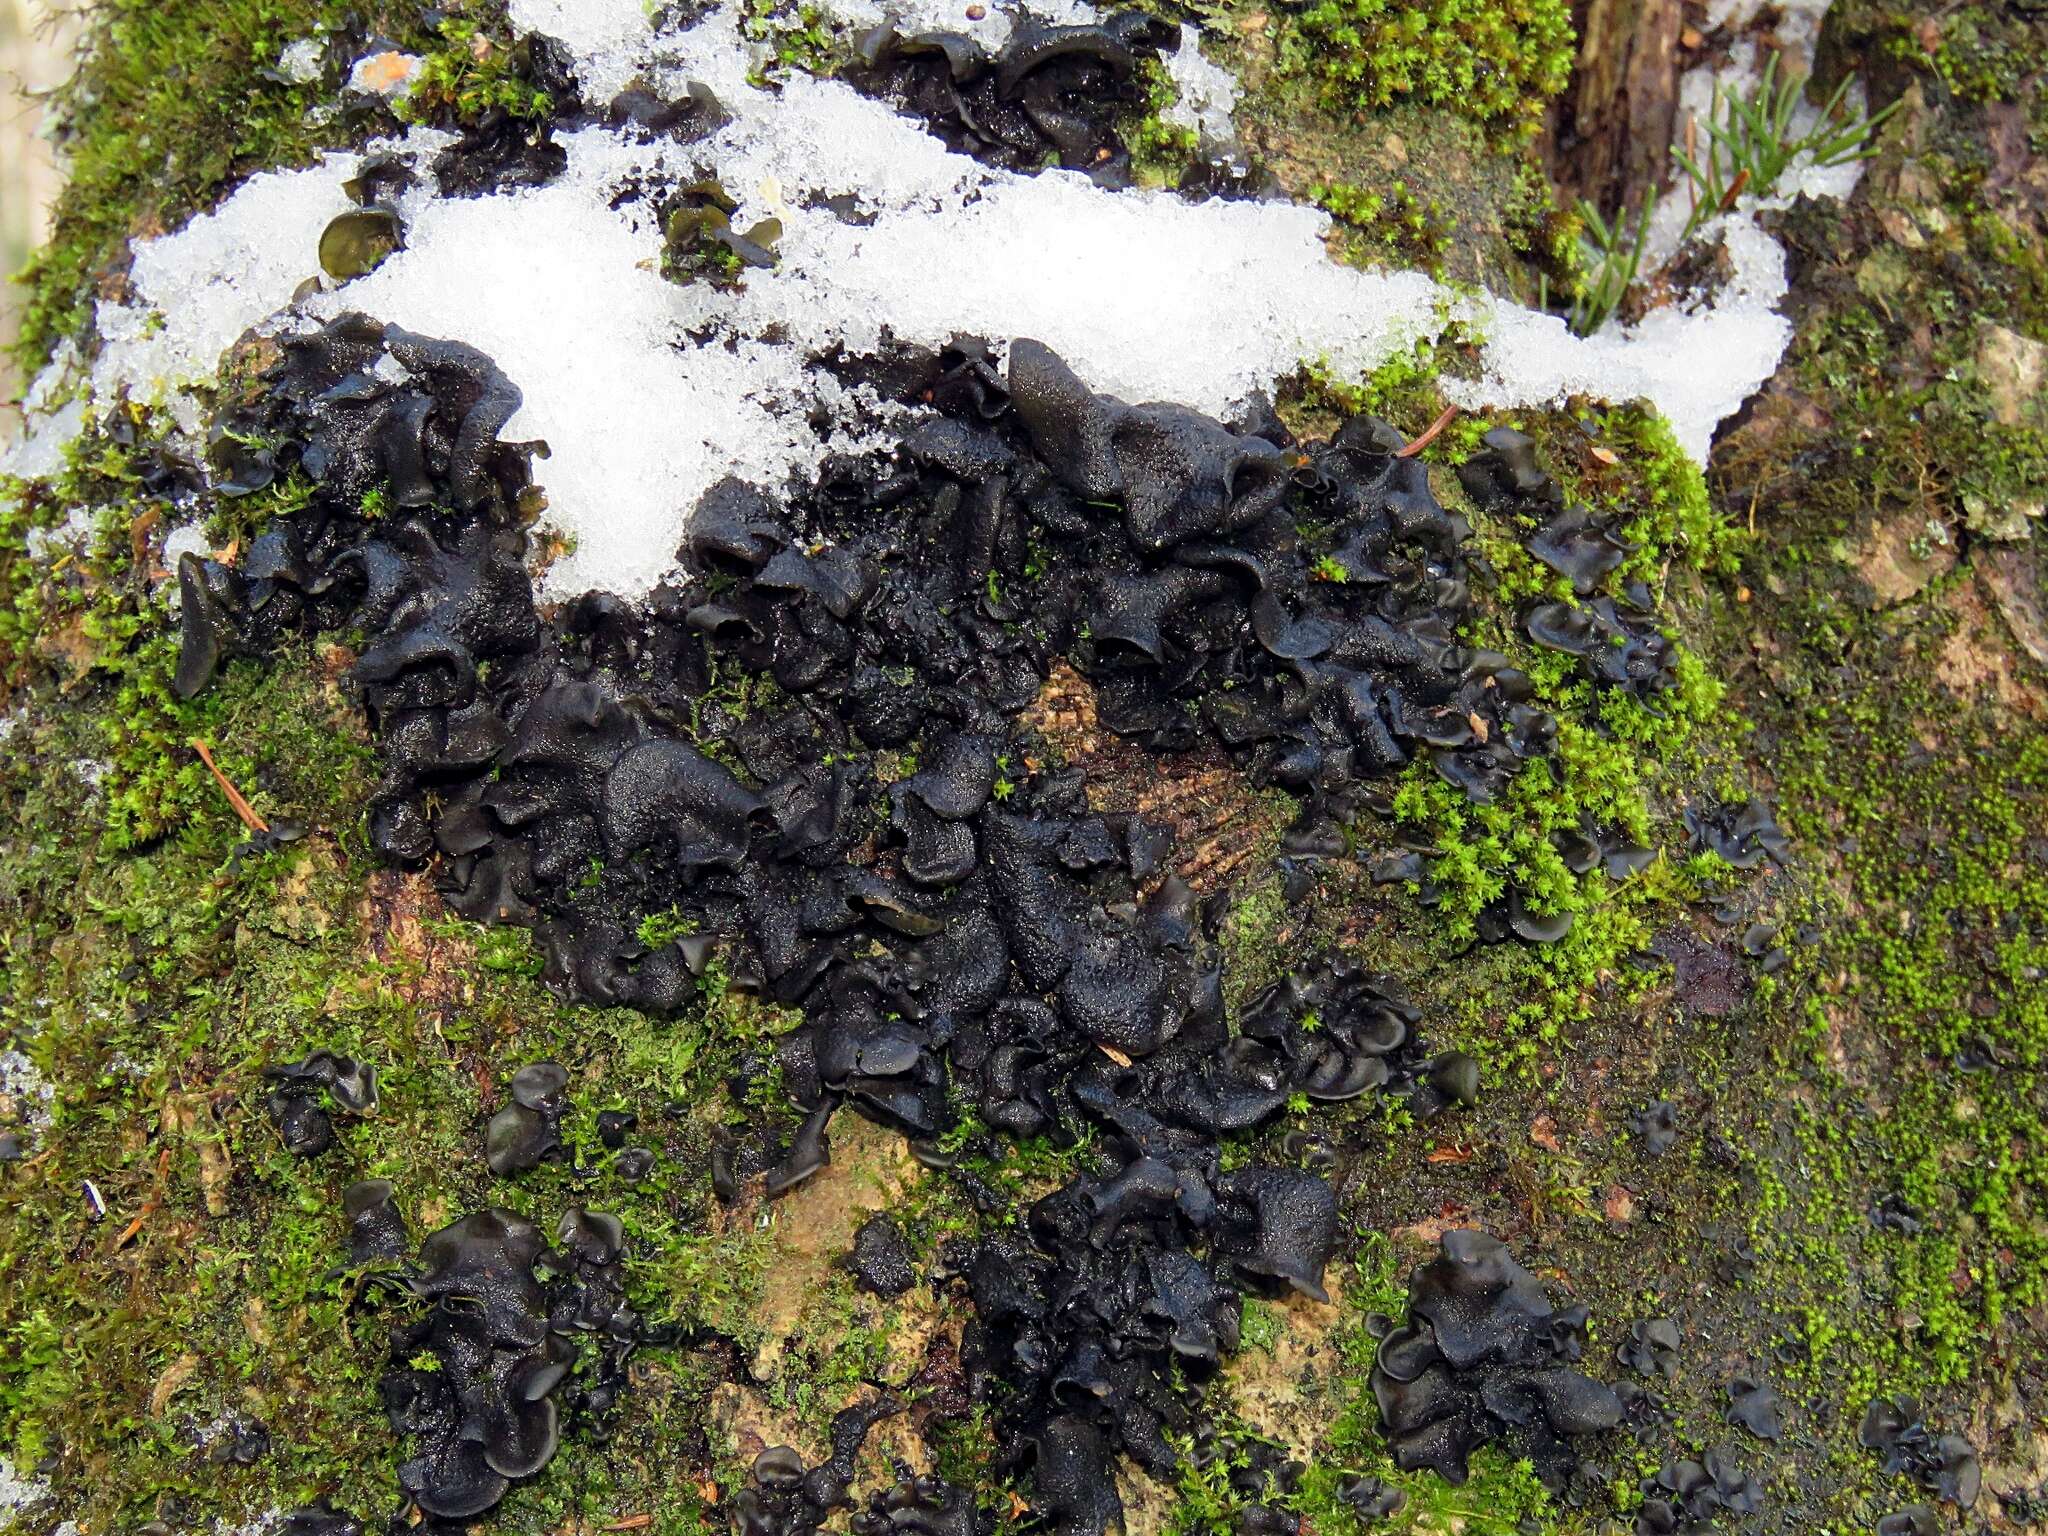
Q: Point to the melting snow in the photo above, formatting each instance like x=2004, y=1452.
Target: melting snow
x=1206, y=93
x=647, y=392
x=198, y=290
x=300, y=62
x=991, y=28
x=18, y=1490
x=31, y=1093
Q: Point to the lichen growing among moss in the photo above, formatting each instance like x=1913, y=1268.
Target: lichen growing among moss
x=1868, y=1118
x=1620, y=763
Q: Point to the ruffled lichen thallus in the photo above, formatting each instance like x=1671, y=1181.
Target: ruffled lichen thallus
x=883, y=850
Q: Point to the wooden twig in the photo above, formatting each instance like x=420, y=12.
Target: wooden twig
x=156, y=1195
x=242, y=807
x=1429, y=434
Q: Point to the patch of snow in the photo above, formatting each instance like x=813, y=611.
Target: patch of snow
x=389, y=74
x=608, y=37
x=301, y=61
x=31, y=1094
x=1699, y=365
x=648, y=392
x=1206, y=93
x=40, y=453
x=68, y=537
x=1796, y=25
x=189, y=540
x=196, y=291
x=991, y=28
x=18, y=1491
x=639, y=420
x=268, y=1522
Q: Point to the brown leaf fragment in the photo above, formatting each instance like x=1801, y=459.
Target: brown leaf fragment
x=175, y=1375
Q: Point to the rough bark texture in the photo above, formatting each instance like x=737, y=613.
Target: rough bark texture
x=1611, y=130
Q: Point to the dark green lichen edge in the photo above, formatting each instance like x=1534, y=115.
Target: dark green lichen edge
x=150, y=978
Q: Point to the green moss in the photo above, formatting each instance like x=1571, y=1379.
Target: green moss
x=799, y=37
x=179, y=975
x=1396, y=225
x=1979, y=52
x=177, y=101
x=1619, y=763
x=1967, y=1153
x=1494, y=64
x=1540, y=229
x=1160, y=151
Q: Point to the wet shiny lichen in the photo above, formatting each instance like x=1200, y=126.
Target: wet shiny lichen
x=1485, y=1355
x=1049, y=95
x=971, y=933
x=1883, y=1306
x=476, y=1380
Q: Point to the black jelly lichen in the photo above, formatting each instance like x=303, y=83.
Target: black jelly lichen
x=783, y=1497
x=1945, y=1465
x=298, y=1103
x=1753, y=1405
x=376, y=1226
x=1116, y=1288
x=885, y=849
x=1744, y=834
x=477, y=1381
x=1657, y=1124
x=527, y=1131
x=1651, y=1348
x=1485, y=1356
x=881, y=1261
x=319, y=1518
x=1049, y=94
x=1689, y=1498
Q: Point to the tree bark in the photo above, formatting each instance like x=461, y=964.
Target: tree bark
x=1611, y=130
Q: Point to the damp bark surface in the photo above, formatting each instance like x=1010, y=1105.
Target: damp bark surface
x=513, y=1073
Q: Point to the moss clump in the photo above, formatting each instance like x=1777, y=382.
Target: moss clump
x=91, y=612
x=150, y=985
x=1495, y=64
x=1160, y=151
x=800, y=37
x=1398, y=224
x=474, y=70
x=1979, y=53
x=1960, y=1138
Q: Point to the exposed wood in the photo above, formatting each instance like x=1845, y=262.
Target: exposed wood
x=1611, y=131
